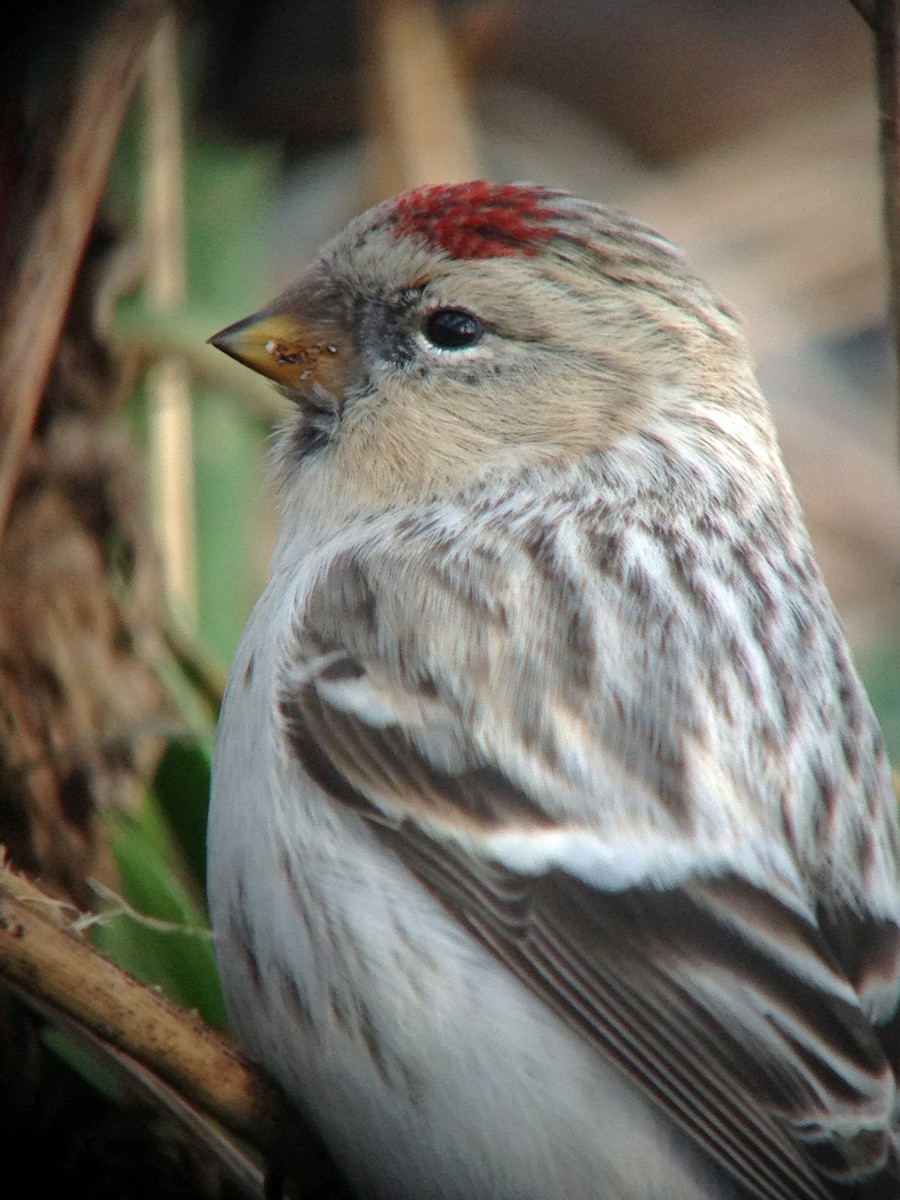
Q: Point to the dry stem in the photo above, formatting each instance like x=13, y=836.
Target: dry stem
x=419, y=118
x=168, y=384
x=39, y=295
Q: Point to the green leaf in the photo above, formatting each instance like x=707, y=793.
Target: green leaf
x=165, y=940
x=181, y=788
x=83, y=1063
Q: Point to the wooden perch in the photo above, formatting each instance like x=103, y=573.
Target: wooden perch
x=42, y=955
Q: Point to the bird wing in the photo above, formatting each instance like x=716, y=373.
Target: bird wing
x=715, y=995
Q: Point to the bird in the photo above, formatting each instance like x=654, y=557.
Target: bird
x=552, y=849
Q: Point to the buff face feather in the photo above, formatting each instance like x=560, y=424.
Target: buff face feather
x=553, y=852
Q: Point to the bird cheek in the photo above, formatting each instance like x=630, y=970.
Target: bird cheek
x=293, y=354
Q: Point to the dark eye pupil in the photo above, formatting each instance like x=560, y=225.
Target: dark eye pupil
x=451, y=328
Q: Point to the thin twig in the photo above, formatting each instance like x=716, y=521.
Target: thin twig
x=119, y=907
x=105, y=81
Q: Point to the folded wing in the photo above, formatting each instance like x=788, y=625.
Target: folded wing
x=725, y=1002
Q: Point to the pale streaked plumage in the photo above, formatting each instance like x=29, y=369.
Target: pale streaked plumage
x=552, y=850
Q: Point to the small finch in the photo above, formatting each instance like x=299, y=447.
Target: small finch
x=553, y=853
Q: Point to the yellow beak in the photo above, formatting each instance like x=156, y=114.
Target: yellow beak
x=277, y=345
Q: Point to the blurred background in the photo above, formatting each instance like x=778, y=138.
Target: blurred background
x=164, y=169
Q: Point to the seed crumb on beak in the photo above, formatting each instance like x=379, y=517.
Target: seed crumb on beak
x=279, y=346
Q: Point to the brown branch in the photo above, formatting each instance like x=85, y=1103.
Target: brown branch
x=50, y=965
x=39, y=294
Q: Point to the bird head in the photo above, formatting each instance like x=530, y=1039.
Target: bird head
x=457, y=329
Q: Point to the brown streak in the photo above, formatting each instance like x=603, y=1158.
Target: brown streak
x=295, y=1001
x=339, y=1009
x=300, y=900
x=370, y=1037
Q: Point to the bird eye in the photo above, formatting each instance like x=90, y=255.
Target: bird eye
x=452, y=328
